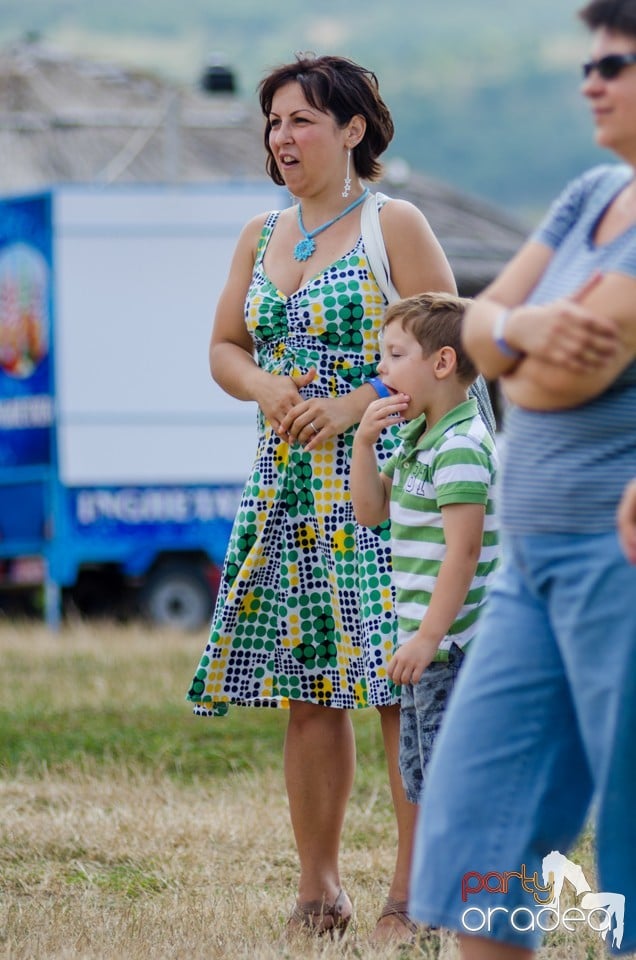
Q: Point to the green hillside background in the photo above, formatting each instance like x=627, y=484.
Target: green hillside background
x=485, y=95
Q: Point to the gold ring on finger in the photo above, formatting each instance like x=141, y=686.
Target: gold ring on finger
x=313, y=426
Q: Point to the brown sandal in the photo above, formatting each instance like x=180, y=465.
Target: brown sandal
x=399, y=909
x=317, y=917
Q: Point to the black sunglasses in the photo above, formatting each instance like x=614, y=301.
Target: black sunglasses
x=609, y=66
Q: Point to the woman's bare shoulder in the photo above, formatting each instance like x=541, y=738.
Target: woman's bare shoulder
x=401, y=219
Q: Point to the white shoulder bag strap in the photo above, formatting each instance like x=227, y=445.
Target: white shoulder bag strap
x=374, y=245
x=379, y=264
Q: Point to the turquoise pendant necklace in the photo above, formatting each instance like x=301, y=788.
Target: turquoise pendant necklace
x=305, y=247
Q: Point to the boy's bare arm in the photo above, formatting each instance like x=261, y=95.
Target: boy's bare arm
x=370, y=489
x=463, y=530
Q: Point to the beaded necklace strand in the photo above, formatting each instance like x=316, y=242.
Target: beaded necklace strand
x=305, y=247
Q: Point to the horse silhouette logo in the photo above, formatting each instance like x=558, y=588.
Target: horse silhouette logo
x=556, y=869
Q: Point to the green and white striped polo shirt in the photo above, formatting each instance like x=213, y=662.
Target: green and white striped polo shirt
x=454, y=462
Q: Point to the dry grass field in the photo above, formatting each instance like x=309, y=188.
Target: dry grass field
x=130, y=829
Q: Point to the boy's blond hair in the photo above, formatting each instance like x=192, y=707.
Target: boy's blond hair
x=435, y=320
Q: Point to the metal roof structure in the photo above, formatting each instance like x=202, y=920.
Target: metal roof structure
x=65, y=119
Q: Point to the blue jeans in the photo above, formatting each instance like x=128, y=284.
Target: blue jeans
x=422, y=707
x=542, y=721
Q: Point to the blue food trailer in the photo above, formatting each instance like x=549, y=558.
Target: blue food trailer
x=121, y=462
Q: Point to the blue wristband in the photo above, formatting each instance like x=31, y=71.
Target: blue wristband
x=379, y=387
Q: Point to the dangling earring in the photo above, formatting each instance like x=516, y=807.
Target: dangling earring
x=347, y=180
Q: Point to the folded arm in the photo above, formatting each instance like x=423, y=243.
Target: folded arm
x=541, y=384
x=571, y=349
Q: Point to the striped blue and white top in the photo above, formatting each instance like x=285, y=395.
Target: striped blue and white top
x=453, y=462
x=564, y=471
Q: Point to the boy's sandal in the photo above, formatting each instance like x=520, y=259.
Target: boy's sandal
x=317, y=917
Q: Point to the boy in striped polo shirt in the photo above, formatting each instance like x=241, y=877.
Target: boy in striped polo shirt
x=438, y=491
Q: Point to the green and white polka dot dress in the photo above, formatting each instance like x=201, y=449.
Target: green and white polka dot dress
x=305, y=608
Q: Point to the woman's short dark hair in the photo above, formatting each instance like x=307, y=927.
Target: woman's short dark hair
x=345, y=89
x=618, y=15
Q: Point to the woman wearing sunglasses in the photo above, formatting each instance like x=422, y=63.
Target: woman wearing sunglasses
x=543, y=720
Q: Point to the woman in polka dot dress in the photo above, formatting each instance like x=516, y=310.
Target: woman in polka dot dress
x=304, y=617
